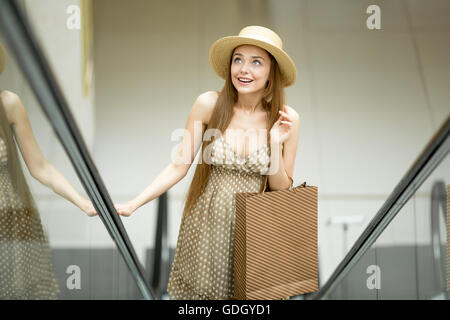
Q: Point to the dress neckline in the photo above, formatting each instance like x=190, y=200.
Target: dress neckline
x=242, y=156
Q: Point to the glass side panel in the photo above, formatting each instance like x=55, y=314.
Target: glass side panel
x=50, y=248
x=408, y=260
x=430, y=208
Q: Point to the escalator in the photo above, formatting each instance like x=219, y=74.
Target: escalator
x=401, y=253
x=412, y=269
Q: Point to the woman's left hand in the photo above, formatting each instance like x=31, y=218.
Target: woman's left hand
x=281, y=129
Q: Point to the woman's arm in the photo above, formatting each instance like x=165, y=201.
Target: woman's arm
x=199, y=115
x=284, y=149
x=40, y=169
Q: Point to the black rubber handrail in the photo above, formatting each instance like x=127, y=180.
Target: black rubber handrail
x=161, y=254
x=36, y=69
x=426, y=162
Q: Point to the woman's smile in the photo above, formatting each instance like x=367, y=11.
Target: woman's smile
x=244, y=81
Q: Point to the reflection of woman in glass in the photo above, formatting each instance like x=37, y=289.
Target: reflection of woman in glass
x=250, y=105
x=25, y=262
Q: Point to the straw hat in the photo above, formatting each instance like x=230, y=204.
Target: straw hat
x=2, y=58
x=221, y=50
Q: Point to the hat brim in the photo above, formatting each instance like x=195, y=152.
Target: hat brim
x=2, y=58
x=221, y=50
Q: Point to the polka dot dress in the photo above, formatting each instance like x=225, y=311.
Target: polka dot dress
x=203, y=263
x=25, y=262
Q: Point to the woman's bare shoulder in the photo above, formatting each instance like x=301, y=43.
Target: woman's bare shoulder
x=204, y=105
x=12, y=105
x=9, y=98
x=208, y=99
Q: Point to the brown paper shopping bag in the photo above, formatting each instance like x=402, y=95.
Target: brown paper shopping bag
x=275, y=251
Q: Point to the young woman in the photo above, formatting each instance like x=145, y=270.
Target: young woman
x=25, y=262
x=255, y=137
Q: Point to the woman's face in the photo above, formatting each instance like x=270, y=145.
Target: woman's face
x=250, y=68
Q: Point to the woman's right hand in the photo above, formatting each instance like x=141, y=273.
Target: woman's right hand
x=89, y=209
x=125, y=209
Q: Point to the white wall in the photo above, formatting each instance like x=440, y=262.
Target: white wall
x=63, y=48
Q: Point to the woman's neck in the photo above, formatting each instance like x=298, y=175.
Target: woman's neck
x=249, y=103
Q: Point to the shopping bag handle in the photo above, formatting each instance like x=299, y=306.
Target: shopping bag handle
x=291, y=187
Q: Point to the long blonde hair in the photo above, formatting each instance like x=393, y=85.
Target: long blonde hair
x=272, y=101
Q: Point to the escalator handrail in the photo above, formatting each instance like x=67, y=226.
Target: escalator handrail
x=36, y=69
x=161, y=253
x=436, y=150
